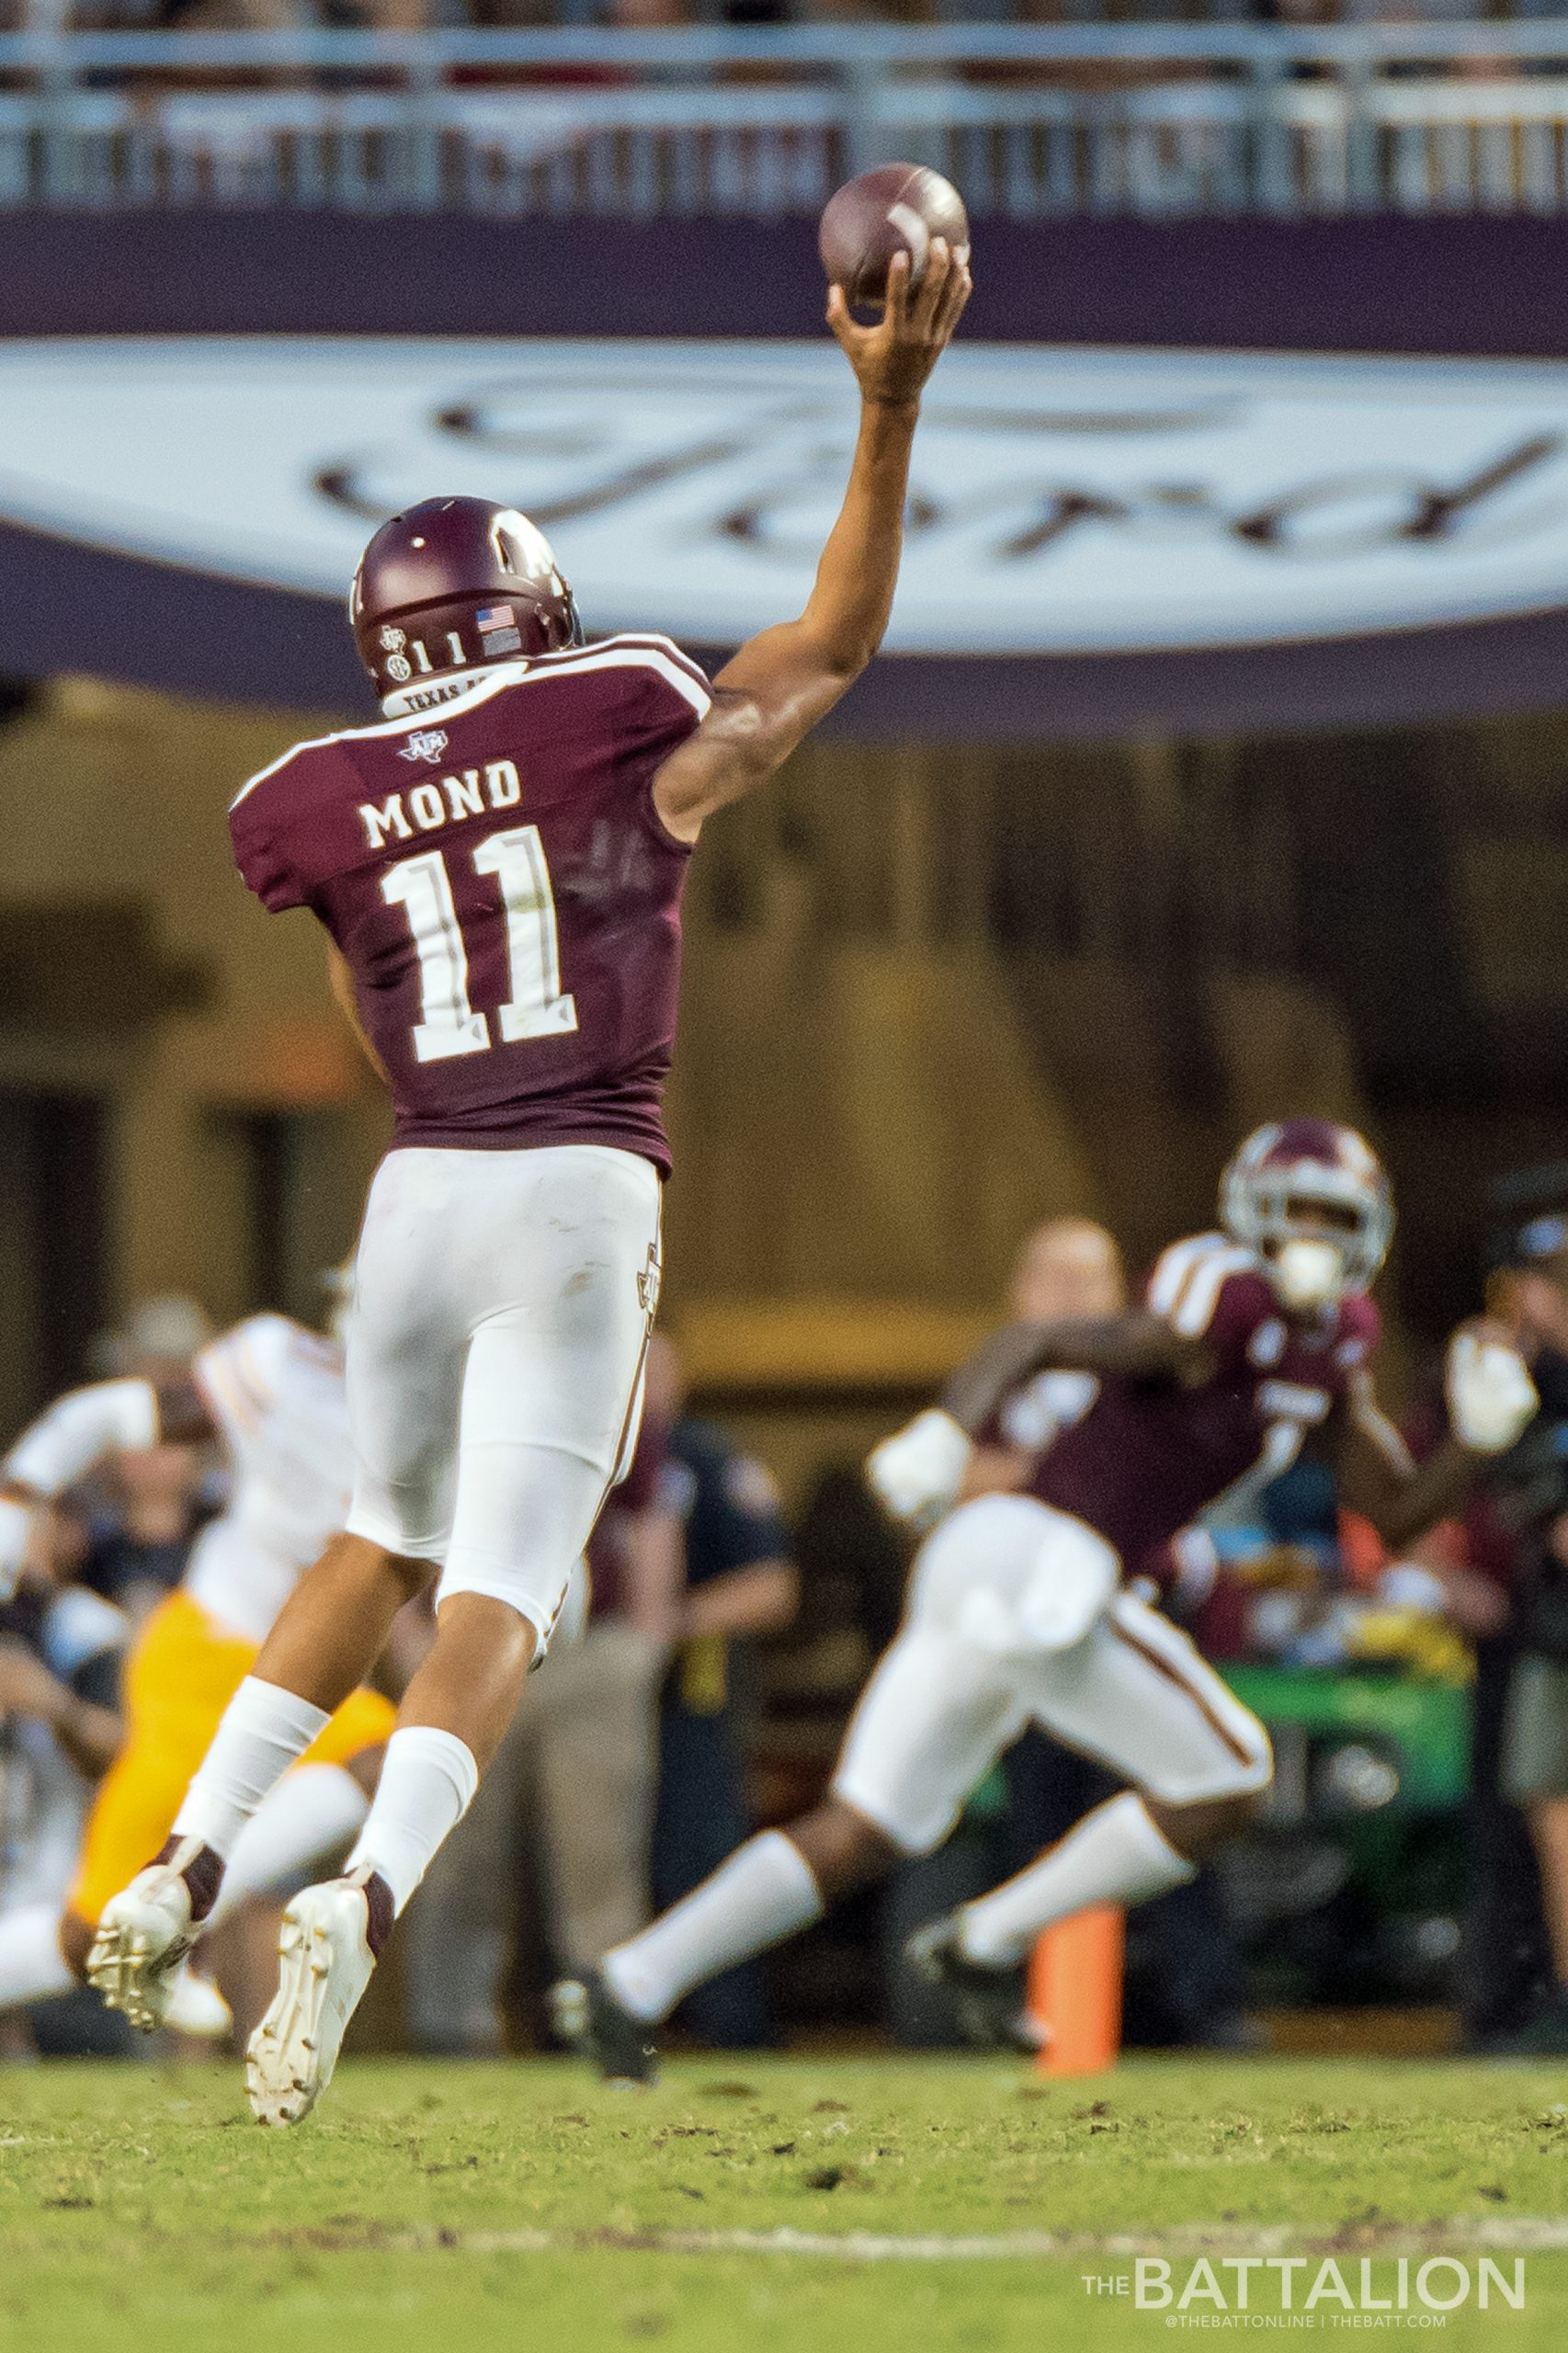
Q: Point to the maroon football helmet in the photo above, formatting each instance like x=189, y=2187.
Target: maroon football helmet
x=454, y=582
x=1310, y=1180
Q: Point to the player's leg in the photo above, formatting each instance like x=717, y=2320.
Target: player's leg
x=134, y=1933
x=937, y=1713
x=180, y=1673
x=407, y=1344
x=558, y=1245
x=317, y=1809
x=1136, y=1694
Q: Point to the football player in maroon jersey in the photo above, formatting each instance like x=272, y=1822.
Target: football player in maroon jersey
x=498, y=865
x=1252, y=1342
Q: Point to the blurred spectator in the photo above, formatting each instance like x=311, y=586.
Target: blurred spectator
x=1500, y=1573
x=143, y=1513
x=1529, y=1294
x=61, y=1649
x=155, y=1342
x=565, y=1811
x=147, y=1513
x=1067, y=1267
x=739, y=1583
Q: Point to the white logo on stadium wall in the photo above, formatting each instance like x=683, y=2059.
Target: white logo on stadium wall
x=1063, y=500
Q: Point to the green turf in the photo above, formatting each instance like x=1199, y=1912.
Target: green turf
x=141, y=2209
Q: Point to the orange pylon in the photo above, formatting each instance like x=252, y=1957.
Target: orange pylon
x=1075, y=1990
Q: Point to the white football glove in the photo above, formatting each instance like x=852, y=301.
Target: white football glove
x=915, y=1474
x=1491, y=1395
x=16, y=1526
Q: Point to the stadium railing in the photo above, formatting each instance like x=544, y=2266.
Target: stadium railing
x=1143, y=119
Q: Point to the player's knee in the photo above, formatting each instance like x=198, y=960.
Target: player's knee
x=415, y=1576
x=363, y=1559
x=75, y=1943
x=843, y=1849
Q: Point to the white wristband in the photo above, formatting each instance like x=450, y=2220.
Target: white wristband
x=78, y=1430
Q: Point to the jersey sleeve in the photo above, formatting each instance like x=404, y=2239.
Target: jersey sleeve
x=278, y=823
x=663, y=699
x=242, y=1372
x=264, y=863
x=1362, y=1328
x=1209, y=1288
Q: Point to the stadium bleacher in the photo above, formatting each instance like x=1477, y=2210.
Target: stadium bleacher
x=1091, y=114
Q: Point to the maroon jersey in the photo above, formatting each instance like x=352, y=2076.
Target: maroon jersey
x=1148, y=1457
x=508, y=903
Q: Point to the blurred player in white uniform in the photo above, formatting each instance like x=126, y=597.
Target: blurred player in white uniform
x=273, y=1393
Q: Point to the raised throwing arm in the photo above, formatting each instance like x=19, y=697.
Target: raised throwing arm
x=783, y=681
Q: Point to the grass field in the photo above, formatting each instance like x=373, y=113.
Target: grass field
x=772, y=2206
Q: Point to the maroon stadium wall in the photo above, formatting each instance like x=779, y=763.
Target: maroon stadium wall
x=1422, y=290
x=1495, y=287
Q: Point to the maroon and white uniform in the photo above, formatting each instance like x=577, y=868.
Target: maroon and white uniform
x=1016, y=1612
x=1145, y=1460
x=497, y=876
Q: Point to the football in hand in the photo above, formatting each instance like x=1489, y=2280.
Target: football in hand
x=899, y=208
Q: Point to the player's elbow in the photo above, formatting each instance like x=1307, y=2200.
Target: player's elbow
x=844, y=643
x=850, y=653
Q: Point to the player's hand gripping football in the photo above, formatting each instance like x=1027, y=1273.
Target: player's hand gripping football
x=893, y=359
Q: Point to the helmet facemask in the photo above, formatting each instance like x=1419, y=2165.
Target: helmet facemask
x=1321, y=1229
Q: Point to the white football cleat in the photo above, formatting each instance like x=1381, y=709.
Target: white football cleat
x=145, y=1935
x=327, y=1959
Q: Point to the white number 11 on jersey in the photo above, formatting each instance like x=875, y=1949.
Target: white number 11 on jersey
x=447, y=1023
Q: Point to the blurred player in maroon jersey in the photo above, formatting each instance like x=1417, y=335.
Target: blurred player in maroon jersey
x=1252, y=1342
x=499, y=866
x=1067, y=1268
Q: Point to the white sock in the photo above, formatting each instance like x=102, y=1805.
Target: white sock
x=1115, y=1855
x=263, y=1729
x=314, y=1811
x=761, y=1895
x=32, y=1967
x=426, y=1787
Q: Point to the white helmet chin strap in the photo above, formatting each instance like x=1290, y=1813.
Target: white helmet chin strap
x=1308, y=1272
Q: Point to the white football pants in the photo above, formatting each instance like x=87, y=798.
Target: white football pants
x=966, y=1672
x=503, y=1302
